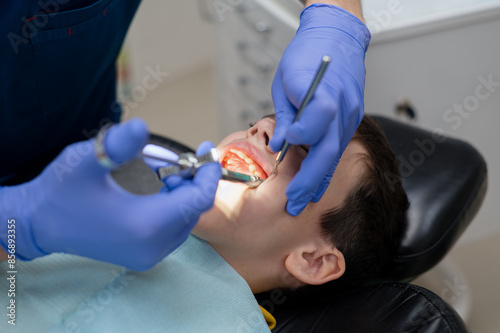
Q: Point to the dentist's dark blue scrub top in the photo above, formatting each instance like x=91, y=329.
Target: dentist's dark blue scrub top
x=57, y=77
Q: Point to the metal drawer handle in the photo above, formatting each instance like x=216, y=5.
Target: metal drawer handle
x=405, y=108
x=209, y=13
x=262, y=27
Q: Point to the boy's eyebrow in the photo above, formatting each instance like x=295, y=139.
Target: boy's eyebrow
x=271, y=116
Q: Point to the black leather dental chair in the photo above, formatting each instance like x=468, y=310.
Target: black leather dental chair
x=445, y=180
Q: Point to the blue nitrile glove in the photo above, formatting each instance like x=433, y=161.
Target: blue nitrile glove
x=75, y=207
x=333, y=115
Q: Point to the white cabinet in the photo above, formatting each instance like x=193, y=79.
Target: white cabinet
x=250, y=39
x=438, y=55
x=446, y=63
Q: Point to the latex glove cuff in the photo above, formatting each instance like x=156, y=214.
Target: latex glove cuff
x=329, y=16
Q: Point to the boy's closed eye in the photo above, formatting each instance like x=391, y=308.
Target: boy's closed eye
x=304, y=147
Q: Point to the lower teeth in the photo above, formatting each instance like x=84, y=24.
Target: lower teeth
x=252, y=169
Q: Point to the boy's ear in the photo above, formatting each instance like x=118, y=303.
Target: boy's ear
x=315, y=264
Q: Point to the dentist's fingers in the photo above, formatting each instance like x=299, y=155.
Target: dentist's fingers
x=312, y=125
x=284, y=112
x=320, y=162
x=125, y=141
x=208, y=176
x=206, y=179
x=121, y=143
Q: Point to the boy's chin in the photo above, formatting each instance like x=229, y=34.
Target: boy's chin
x=229, y=196
x=228, y=202
x=202, y=227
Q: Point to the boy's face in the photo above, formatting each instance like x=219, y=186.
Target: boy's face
x=246, y=223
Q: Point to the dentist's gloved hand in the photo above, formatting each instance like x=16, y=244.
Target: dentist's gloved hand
x=333, y=115
x=75, y=207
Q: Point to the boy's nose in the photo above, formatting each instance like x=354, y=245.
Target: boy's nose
x=262, y=131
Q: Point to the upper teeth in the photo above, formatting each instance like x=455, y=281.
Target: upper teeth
x=242, y=156
x=248, y=160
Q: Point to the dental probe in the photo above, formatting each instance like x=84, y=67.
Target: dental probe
x=317, y=78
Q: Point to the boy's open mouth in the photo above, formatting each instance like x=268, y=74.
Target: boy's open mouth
x=237, y=161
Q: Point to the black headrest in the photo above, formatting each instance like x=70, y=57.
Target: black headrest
x=136, y=177
x=172, y=145
x=384, y=308
x=445, y=180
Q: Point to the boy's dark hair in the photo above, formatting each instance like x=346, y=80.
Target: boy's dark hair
x=368, y=227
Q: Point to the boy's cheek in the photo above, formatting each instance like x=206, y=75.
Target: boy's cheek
x=274, y=195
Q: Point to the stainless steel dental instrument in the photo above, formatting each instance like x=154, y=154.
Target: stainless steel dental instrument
x=188, y=164
x=251, y=181
x=317, y=79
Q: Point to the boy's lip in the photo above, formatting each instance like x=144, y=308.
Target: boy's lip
x=251, y=151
